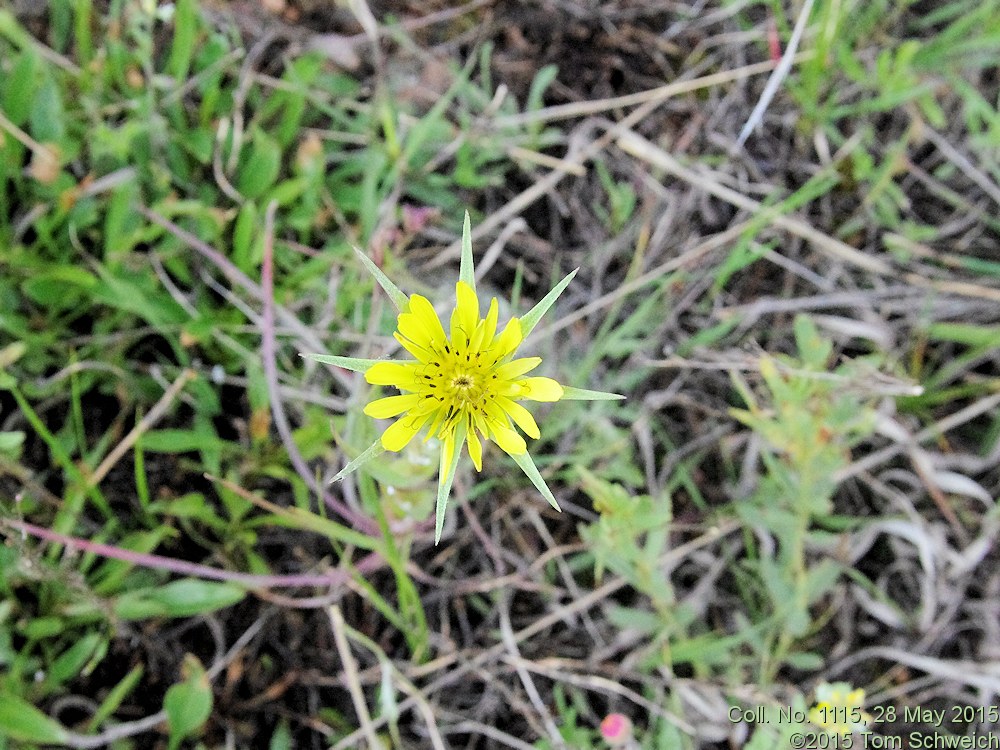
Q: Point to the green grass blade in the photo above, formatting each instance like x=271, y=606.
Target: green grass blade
x=19, y=720
x=61, y=456
x=185, y=32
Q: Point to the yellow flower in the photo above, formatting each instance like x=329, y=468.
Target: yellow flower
x=839, y=709
x=469, y=379
x=464, y=385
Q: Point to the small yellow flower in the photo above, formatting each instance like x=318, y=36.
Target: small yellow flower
x=469, y=379
x=464, y=385
x=839, y=709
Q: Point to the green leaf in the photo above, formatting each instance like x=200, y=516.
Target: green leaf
x=964, y=333
x=183, y=598
x=805, y=661
x=58, y=286
x=123, y=225
x=137, y=294
x=185, y=29
x=813, y=349
x=115, y=697
x=72, y=660
x=543, y=79
x=261, y=168
x=11, y=442
x=188, y=704
x=246, y=252
x=348, y=363
x=180, y=441
x=19, y=720
x=83, y=37
x=19, y=90
x=399, y=300
x=530, y=320
x=47, y=112
x=298, y=518
x=11, y=30
x=282, y=737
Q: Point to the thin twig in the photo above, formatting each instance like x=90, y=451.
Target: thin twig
x=149, y=723
x=634, y=144
x=515, y=659
x=961, y=161
x=183, y=567
x=459, y=670
x=351, y=677
x=931, y=432
x=778, y=76
x=309, y=339
x=423, y=706
x=652, y=96
x=268, y=347
x=649, y=101
x=158, y=410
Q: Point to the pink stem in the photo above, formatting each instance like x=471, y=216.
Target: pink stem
x=188, y=568
x=359, y=521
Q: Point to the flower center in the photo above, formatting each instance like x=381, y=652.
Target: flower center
x=464, y=386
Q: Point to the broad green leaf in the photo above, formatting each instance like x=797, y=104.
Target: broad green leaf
x=19, y=88
x=47, y=112
x=139, y=295
x=19, y=720
x=185, y=30
x=260, y=169
x=58, y=286
x=183, y=598
x=188, y=704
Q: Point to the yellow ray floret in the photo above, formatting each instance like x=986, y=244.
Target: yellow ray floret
x=464, y=383
x=469, y=378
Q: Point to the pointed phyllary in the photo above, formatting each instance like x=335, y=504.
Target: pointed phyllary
x=464, y=384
